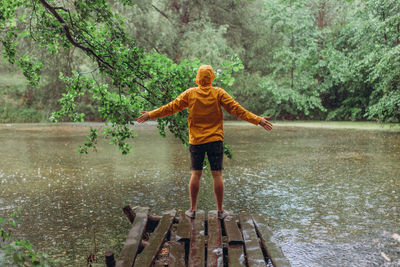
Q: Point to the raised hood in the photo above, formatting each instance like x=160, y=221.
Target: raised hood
x=205, y=76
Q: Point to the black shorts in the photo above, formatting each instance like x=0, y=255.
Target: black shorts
x=215, y=155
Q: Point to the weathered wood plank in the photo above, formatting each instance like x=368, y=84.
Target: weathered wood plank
x=177, y=254
x=232, y=230
x=156, y=240
x=183, y=228
x=179, y=245
x=253, y=250
x=236, y=255
x=214, y=242
x=235, y=242
x=274, y=252
x=196, y=250
x=128, y=253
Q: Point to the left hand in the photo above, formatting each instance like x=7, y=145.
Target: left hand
x=266, y=124
x=145, y=117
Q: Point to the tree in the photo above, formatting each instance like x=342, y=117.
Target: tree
x=385, y=99
x=292, y=88
x=362, y=70
x=132, y=79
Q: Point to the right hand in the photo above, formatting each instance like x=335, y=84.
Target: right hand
x=266, y=124
x=144, y=117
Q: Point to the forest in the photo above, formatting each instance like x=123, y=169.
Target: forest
x=289, y=59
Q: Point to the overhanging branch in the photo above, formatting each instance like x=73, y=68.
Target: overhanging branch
x=53, y=11
x=100, y=60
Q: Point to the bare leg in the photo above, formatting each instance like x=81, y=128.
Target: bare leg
x=218, y=188
x=194, y=187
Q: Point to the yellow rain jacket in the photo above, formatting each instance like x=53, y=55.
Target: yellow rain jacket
x=205, y=114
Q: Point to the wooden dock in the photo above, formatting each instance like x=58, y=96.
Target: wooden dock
x=173, y=239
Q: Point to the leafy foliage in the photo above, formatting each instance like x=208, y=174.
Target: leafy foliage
x=132, y=79
x=18, y=252
x=302, y=59
x=362, y=63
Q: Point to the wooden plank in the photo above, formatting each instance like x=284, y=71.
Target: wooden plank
x=177, y=254
x=253, y=250
x=273, y=250
x=236, y=255
x=235, y=242
x=232, y=230
x=214, y=242
x=149, y=253
x=196, y=249
x=128, y=253
x=183, y=228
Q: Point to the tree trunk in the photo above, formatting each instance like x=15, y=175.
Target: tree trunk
x=27, y=97
x=383, y=19
x=320, y=24
x=293, y=63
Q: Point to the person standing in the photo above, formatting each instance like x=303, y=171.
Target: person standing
x=206, y=133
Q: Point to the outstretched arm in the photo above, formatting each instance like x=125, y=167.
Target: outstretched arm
x=236, y=109
x=172, y=107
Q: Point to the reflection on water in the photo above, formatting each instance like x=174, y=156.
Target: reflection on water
x=332, y=195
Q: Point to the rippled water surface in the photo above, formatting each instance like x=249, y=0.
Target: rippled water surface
x=332, y=195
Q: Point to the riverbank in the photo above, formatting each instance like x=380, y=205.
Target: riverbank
x=356, y=125
x=375, y=126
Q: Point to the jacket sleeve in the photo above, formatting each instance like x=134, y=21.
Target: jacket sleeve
x=180, y=103
x=234, y=108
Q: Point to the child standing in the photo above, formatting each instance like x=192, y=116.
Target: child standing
x=206, y=133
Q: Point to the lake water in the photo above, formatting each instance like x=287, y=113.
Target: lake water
x=332, y=195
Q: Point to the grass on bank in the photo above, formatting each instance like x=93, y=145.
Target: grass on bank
x=13, y=114
x=357, y=125
x=369, y=126
x=12, y=87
